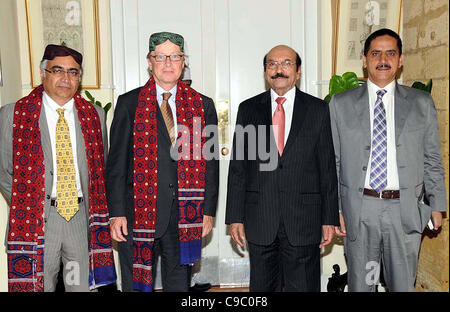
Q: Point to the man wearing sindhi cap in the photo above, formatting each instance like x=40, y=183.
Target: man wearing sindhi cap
x=161, y=192
x=53, y=149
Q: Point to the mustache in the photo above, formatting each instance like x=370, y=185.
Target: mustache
x=382, y=66
x=279, y=75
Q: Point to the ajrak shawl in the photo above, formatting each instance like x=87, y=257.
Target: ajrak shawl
x=26, y=245
x=191, y=178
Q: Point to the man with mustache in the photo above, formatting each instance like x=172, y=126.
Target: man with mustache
x=283, y=213
x=52, y=164
x=387, y=146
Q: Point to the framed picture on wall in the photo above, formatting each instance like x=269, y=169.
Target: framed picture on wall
x=355, y=21
x=73, y=23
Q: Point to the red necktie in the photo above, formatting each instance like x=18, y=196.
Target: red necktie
x=278, y=121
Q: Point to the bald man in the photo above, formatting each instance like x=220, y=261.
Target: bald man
x=283, y=210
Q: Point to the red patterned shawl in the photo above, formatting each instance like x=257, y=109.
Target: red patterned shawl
x=191, y=178
x=26, y=244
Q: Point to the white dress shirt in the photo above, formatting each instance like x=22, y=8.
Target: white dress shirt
x=52, y=116
x=173, y=106
x=288, y=106
x=389, y=104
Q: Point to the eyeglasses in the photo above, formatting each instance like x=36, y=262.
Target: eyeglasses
x=284, y=64
x=162, y=58
x=59, y=72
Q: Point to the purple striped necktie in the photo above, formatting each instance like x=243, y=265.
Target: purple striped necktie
x=378, y=164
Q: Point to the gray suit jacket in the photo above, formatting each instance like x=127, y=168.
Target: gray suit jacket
x=418, y=150
x=6, y=157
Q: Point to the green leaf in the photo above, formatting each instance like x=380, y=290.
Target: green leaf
x=106, y=108
x=337, y=84
x=418, y=85
x=351, y=80
x=90, y=97
x=429, y=86
x=327, y=98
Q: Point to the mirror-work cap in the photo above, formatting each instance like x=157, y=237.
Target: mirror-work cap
x=53, y=50
x=161, y=37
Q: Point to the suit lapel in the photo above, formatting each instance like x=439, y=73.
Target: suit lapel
x=361, y=105
x=81, y=146
x=298, y=116
x=81, y=157
x=45, y=138
x=265, y=113
x=401, y=111
x=264, y=117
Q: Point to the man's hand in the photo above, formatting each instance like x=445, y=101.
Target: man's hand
x=341, y=231
x=327, y=233
x=436, y=217
x=237, y=233
x=208, y=222
x=119, y=226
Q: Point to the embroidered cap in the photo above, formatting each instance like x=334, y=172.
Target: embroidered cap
x=53, y=50
x=161, y=37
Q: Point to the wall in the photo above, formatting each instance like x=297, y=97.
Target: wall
x=425, y=39
x=104, y=94
x=9, y=48
x=333, y=253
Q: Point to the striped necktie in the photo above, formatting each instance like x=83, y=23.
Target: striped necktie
x=167, y=115
x=378, y=172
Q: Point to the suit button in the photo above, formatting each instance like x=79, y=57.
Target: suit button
x=367, y=148
x=51, y=172
x=170, y=185
x=48, y=196
x=364, y=168
x=360, y=189
x=280, y=166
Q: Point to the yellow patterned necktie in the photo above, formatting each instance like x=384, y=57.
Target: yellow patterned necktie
x=167, y=115
x=66, y=185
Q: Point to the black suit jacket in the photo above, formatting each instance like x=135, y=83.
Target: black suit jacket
x=119, y=168
x=302, y=190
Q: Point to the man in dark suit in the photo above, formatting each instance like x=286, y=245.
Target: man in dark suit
x=388, y=153
x=161, y=192
x=53, y=148
x=285, y=208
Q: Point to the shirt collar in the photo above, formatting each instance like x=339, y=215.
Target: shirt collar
x=290, y=95
x=160, y=91
x=373, y=88
x=54, y=106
